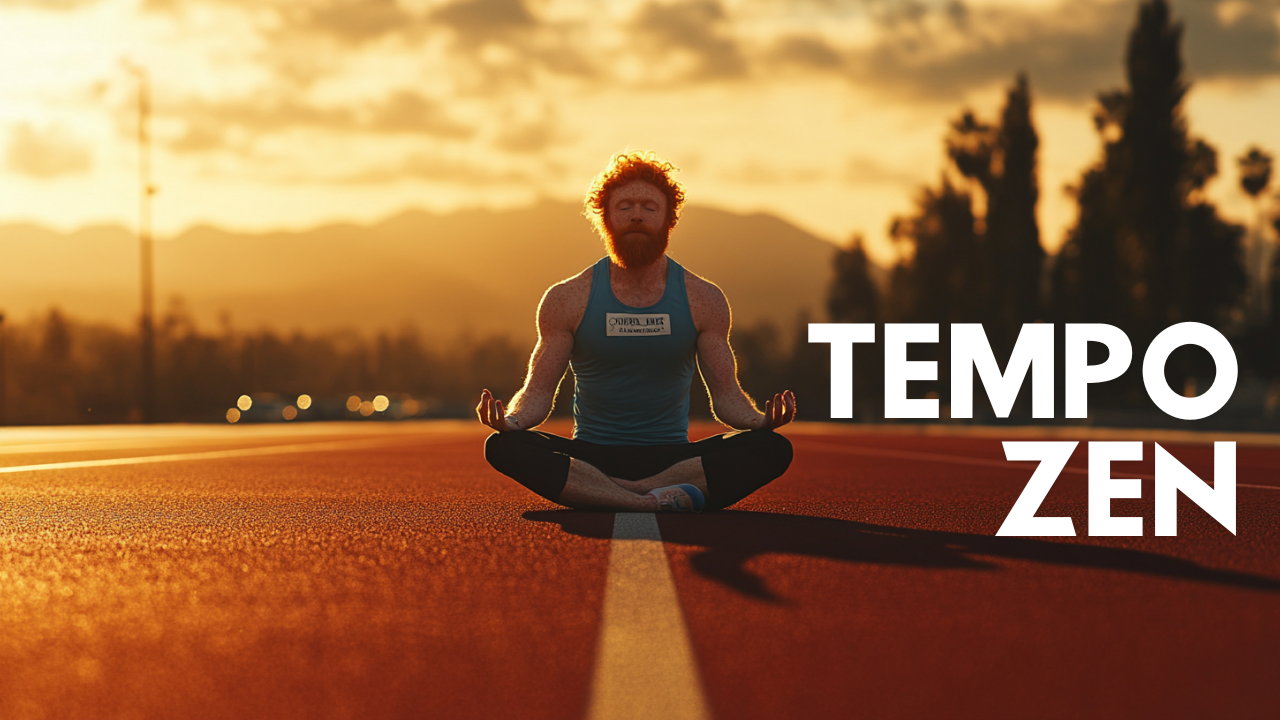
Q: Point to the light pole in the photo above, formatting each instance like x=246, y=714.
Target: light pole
x=147, y=326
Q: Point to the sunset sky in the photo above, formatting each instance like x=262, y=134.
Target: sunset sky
x=828, y=113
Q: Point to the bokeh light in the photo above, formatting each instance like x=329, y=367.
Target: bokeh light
x=233, y=415
x=366, y=408
x=244, y=403
x=381, y=403
x=353, y=403
x=409, y=408
x=304, y=402
x=290, y=412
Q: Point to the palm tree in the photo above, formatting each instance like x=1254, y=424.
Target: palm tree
x=1255, y=176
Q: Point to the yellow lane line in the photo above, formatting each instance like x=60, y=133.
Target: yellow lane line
x=217, y=454
x=644, y=663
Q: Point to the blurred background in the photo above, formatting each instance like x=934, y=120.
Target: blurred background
x=209, y=208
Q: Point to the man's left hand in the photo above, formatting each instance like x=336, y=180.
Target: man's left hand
x=779, y=411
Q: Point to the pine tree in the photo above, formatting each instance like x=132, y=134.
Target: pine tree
x=1148, y=249
x=854, y=298
x=1154, y=145
x=1255, y=176
x=1015, y=256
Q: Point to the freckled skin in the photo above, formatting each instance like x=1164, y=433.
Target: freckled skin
x=641, y=206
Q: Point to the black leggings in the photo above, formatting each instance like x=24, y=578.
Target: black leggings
x=736, y=464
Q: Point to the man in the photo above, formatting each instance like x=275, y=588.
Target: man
x=632, y=326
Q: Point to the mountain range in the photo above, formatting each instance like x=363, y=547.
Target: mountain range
x=478, y=272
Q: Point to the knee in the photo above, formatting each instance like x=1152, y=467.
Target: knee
x=499, y=446
x=778, y=451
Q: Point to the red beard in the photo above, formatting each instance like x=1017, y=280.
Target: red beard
x=636, y=251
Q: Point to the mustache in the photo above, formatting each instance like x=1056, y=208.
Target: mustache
x=637, y=228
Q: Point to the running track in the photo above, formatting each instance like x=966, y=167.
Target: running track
x=384, y=571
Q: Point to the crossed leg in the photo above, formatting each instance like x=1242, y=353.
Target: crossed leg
x=688, y=472
x=588, y=487
x=575, y=473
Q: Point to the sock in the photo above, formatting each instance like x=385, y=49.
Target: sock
x=695, y=496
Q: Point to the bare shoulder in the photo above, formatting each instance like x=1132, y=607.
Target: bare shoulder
x=564, y=303
x=707, y=303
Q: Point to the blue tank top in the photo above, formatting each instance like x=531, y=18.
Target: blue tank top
x=633, y=366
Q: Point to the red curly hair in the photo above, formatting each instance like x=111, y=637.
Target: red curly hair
x=623, y=168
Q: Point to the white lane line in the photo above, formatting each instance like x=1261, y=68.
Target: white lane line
x=963, y=460
x=212, y=454
x=644, y=665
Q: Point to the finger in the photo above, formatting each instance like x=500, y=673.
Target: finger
x=500, y=417
x=488, y=411
x=768, y=409
x=779, y=409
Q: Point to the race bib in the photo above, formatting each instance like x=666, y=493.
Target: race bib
x=625, y=324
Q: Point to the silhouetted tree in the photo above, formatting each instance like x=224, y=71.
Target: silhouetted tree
x=1255, y=171
x=1255, y=176
x=1087, y=284
x=971, y=145
x=938, y=279
x=1148, y=249
x=993, y=258
x=1015, y=257
x=940, y=273
x=854, y=298
x=1269, y=347
x=66, y=371
x=808, y=375
x=1154, y=145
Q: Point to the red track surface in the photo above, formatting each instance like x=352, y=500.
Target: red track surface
x=412, y=581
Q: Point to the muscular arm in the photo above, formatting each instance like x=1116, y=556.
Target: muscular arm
x=729, y=403
x=558, y=316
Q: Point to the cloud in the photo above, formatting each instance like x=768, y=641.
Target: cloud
x=201, y=135
x=1231, y=39
x=54, y=5
x=358, y=21
x=530, y=136
x=807, y=51
x=208, y=124
x=433, y=168
x=758, y=172
x=479, y=20
x=697, y=27
x=864, y=170
x=408, y=112
x=1070, y=51
x=922, y=49
x=45, y=153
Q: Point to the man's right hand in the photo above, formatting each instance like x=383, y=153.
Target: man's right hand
x=492, y=414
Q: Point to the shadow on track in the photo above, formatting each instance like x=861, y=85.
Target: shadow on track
x=730, y=538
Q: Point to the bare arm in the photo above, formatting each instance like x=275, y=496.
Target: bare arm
x=729, y=403
x=558, y=316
